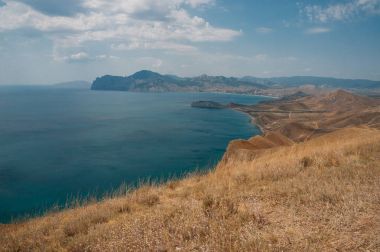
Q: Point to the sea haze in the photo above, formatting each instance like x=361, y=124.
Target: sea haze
x=62, y=143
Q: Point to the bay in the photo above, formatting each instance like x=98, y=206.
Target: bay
x=58, y=144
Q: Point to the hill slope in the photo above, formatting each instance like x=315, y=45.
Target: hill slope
x=300, y=117
x=319, y=195
x=295, y=81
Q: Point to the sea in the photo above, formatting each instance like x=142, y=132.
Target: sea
x=57, y=145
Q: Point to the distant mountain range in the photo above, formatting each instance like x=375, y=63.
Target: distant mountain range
x=296, y=81
x=148, y=81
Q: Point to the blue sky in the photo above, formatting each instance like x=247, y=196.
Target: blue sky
x=48, y=41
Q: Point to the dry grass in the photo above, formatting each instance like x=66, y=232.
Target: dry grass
x=322, y=195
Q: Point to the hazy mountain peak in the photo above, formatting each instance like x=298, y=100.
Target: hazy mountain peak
x=145, y=74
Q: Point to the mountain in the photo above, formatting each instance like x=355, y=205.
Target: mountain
x=74, y=84
x=343, y=101
x=148, y=81
x=296, y=81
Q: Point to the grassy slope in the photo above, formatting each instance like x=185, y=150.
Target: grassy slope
x=320, y=195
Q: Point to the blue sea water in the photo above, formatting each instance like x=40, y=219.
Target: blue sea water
x=59, y=143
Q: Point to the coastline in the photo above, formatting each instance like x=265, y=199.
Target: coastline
x=253, y=120
x=242, y=94
x=257, y=124
x=204, y=153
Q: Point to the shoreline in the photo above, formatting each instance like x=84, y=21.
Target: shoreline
x=240, y=130
x=258, y=125
x=253, y=121
x=243, y=94
x=186, y=92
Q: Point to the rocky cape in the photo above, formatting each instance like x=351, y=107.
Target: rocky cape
x=208, y=105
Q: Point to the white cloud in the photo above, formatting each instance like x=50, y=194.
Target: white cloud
x=196, y=3
x=264, y=30
x=149, y=62
x=81, y=57
x=128, y=24
x=342, y=11
x=15, y=15
x=142, y=6
x=317, y=30
x=149, y=45
x=106, y=57
x=77, y=57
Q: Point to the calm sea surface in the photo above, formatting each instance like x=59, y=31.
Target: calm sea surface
x=57, y=143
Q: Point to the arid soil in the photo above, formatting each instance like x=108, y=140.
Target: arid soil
x=298, y=119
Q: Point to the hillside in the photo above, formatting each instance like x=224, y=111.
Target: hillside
x=148, y=81
x=319, y=195
x=301, y=117
x=317, y=81
x=273, y=193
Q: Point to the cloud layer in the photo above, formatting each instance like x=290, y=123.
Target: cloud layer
x=342, y=11
x=116, y=24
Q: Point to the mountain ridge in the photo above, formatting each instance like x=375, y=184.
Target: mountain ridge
x=316, y=80
x=149, y=81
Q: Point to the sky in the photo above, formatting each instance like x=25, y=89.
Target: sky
x=51, y=41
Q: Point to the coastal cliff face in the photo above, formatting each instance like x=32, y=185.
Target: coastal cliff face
x=264, y=197
x=250, y=149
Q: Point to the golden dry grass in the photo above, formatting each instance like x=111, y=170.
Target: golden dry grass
x=321, y=195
